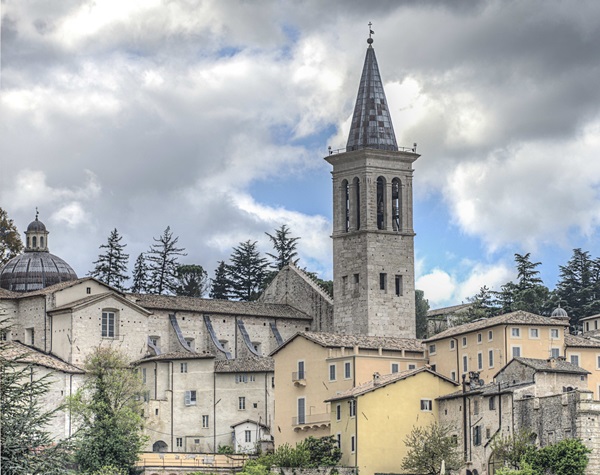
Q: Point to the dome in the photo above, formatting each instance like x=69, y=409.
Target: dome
x=34, y=271
x=36, y=226
x=559, y=313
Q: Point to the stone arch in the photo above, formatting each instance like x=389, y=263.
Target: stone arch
x=381, y=203
x=160, y=446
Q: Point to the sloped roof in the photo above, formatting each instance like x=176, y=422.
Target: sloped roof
x=17, y=351
x=554, y=365
x=7, y=294
x=60, y=286
x=337, y=340
x=229, y=307
x=89, y=299
x=386, y=380
x=251, y=422
x=519, y=317
x=447, y=310
x=251, y=364
x=576, y=341
x=176, y=355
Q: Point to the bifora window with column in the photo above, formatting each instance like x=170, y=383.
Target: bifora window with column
x=381, y=203
x=356, y=184
x=345, y=205
x=396, y=205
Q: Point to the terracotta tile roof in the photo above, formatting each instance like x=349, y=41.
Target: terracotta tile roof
x=7, y=294
x=15, y=350
x=176, y=355
x=557, y=365
x=193, y=304
x=489, y=389
x=335, y=340
x=590, y=317
x=446, y=310
x=513, y=318
x=385, y=380
x=575, y=341
x=251, y=364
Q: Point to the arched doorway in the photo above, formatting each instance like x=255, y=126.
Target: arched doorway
x=159, y=446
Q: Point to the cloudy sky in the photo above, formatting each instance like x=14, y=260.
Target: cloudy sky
x=213, y=117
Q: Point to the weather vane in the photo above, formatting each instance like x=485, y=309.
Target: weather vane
x=371, y=32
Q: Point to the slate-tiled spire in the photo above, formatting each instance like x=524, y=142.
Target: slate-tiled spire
x=371, y=124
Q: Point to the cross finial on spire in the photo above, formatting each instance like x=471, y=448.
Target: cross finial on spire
x=371, y=32
x=37, y=213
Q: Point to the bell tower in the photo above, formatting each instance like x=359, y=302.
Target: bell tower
x=373, y=237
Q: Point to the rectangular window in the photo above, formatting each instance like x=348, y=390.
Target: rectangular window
x=515, y=332
x=465, y=363
x=300, y=369
x=598, y=363
x=426, y=405
x=382, y=281
x=595, y=324
x=352, y=404
x=534, y=333
x=247, y=436
x=554, y=333
x=453, y=375
x=555, y=352
x=492, y=403
x=488, y=433
x=490, y=335
x=479, y=338
x=179, y=442
x=575, y=360
x=412, y=366
x=30, y=336
x=331, y=372
x=352, y=444
x=516, y=351
x=451, y=344
x=432, y=349
x=338, y=412
x=242, y=403
x=398, y=282
x=144, y=375
x=344, y=284
x=476, y=408
x=587, y=326
x=339, y=440
x=356, y=282
x=491, y=358
x=477, y=435
x=301, y=410
x=205, y=422
x=480, y=361
x=108, y=324
x=183, y=367
x=464, y=341
x=190, y=398
x=347, y=370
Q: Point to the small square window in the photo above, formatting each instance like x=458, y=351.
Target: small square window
x=190, y=398
x=515, y=332
x=395, y=367
x=555, y=352
x=534, y=333
x=554, y=333
x=426, y=405
x=412, y=366
x=432, y=349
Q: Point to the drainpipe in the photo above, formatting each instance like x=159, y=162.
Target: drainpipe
x=464, y=405
x=505, y=344
x=45, y=327
x=356, y=433
x=155, y=380
x=457, y=357
x=172, y=404
x=214, y=410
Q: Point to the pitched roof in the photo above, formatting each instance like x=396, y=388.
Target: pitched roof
x=590, y=317
x=519, y=317
x=176, y=355
x=337, y=340
x=575, y=341
x=89, y=299
x=448, y=310
x=229, y=307
x=61, y=286
x=7, y=294
x=385, y=380
x=554, y=365
x=251, y=364
x=19, y=352
x=251, y=422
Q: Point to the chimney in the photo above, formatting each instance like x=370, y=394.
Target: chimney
x=375, y=379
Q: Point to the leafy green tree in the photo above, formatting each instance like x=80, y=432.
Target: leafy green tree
x=141, y=282
x=511, y=450
x=162, y=263
x=220, y=288
x=287, y=456
x=427, y=447
x=482, y=305
x=421, y=309
x=111, y=266
x=567, y=457
x=246, y=272
x=324, y=451
x=109, y=409
x=285, y=248
x=193, y=280
x=10, y=241
x=26, y=447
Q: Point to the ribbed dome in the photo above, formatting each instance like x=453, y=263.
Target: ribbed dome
x=559, y=313
x=33, y=271
x=36, y=225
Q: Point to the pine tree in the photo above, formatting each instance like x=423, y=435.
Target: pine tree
x=193, y=280
x=25, y=445
x=111, y=267
x=421, y=309
x=527, y=272
x=10, y=241
x=220, y=288
x=246, y=271
x=162, y=258
x=140, y=276
x=285, y=248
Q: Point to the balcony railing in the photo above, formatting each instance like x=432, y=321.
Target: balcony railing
x=310, y=419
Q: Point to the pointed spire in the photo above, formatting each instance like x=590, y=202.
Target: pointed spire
x=371, y=123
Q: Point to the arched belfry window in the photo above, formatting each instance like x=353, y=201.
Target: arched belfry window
x=381, y=211
x=345, y=206
x=396, y=205
x=357, y=201
x=34, y=242
x=41, y=241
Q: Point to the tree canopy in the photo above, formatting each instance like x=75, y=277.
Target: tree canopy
x=162, y=261
x=193, y=280
x=220, y=287
x=111, y=266
x=285, y=248
x=427, y=447
x=247, y=271
x=10, y=241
